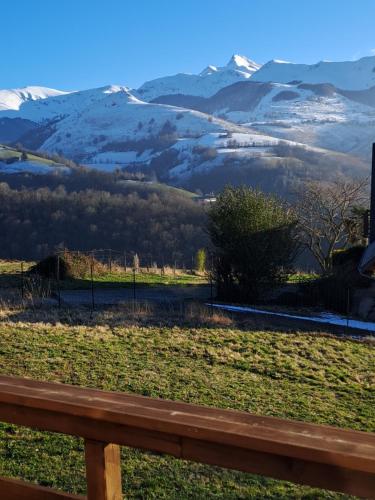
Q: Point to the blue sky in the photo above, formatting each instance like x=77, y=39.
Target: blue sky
x=77, y=44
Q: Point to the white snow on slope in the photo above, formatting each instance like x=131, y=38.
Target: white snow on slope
x=13, y=99
x=60, y=105
x=121, y=130
x=241, y=63
x=206, y=84
x=349, y=75
x=122, y=117
x=333, y=121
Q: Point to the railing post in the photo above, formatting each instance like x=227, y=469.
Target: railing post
x=103, y=471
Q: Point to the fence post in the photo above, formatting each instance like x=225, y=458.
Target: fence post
x=212, y=285
x=347, y=309
x=22, y=283
x=103, y=471
x=58, y=280
x=92, y=284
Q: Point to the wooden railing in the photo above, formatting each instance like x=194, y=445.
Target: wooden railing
x=315, y=455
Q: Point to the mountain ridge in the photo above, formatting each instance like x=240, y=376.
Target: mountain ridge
x=12, y=99
x=348, y=75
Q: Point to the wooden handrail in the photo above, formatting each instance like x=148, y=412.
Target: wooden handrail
x=310, y=454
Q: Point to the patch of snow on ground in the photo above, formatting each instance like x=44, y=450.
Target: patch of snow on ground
x=323, y=318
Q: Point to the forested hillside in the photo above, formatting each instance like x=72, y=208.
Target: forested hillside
x=84, y=210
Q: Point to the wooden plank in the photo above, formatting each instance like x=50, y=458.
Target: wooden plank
x=305, y=472
x=13, y=489
x=322, y=456
x=103, y=471
x=91, y=429
x=166, y=419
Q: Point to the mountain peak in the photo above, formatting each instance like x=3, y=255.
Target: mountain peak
x=208, y=70
x=242, y=63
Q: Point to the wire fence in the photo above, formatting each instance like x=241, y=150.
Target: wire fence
x=129, y=260
x=126, y=272
x=99, y=271
x=310, y=296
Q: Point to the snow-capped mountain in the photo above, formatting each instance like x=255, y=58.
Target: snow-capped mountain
x=179, y=145
x=205, y=84
x=222, y=125
x=13, y=99
x=348, y=75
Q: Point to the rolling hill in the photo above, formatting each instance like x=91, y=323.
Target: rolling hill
x=12, y=162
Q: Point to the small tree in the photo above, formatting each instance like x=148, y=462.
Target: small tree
x=200, y=260
x=23, y=156
x=254, y=242
x=329, y=217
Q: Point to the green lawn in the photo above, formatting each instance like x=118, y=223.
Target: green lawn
x=121, y=279
x=293, y=375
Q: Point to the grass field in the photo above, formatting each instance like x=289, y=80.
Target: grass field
x=10, y=270
x=200, y=359
x=159, y=187
x=121, y=279
x=10, y=276
x=13, y=266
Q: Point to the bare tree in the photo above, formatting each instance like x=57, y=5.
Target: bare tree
x=327, y=217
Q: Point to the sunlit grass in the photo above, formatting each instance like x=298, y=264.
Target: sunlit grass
x=299, y=376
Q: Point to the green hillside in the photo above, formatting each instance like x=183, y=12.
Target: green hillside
x=10, y=159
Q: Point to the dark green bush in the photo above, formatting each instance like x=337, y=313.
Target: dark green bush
x=254, y=241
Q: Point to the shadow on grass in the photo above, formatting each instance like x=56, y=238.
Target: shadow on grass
x=157, y=304
x=182, y=314
x=10, y=280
